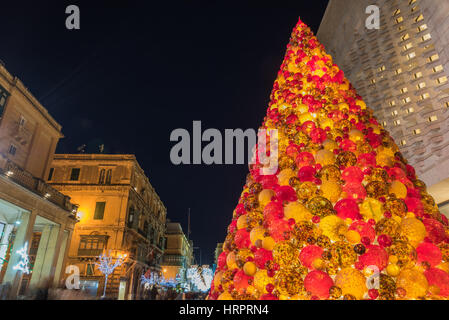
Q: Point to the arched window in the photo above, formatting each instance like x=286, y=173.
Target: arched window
x=101, y=180
x=109, y=176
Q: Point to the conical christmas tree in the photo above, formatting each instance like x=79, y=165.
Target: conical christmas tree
x=345, y=216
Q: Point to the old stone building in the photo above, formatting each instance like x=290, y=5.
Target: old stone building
x=178, y=255
x=401, y=70
x=34, y=217
x=119, y=212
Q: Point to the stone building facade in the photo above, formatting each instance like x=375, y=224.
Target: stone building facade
x=401, y=70
x=178, y=255
x=120, y=213
x=34, y=217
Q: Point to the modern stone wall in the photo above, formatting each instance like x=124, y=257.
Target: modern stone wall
x=401, y=70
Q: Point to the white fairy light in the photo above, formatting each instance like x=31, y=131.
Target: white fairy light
x=200, y=277
x=23, y=264
x=107, y=267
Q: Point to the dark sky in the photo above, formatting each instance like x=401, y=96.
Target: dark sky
x=137, y=70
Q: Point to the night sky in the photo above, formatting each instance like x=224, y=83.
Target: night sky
x=137, y=70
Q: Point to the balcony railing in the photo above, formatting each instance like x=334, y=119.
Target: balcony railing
x=36, y=185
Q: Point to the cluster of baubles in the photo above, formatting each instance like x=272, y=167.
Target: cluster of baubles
x=343, y=208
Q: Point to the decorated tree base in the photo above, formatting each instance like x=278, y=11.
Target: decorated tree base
x=345, y=216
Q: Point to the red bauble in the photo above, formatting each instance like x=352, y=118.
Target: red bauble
x=306, y=173
x=435, y=230
x=292, y=151
x=352, y=174
x=261, y=256
x=414, y=205
x=396, y=173
x=268, y=296
x=375, y=256
x=309, y=254
x=355, y=190
x=364, y=229
x=241, y=239
x=272, y=211
x=221, y=261
x=348, y=145
x=232, y=226
x=347, y=208
x=286, y=193
x=384, y=241
x=428, y=252
x=318, y=283
x=318, y=135
x=268, y=181
x=439, y=278
x=279, y=229
x=305, y=159
x=241, y=280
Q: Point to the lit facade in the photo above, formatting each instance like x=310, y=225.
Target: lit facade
x=178, y=255
x=32, y=214
x=119, y=212
x=401, y=70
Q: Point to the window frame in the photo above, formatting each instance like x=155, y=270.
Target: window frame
x=98, y=205
x=72, y=174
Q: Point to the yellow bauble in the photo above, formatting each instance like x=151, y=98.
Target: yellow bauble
x=230, y=261
x=242, y=222
x=265, y=196
x=361, y=104
x=330, y=145
x=268, y=243
x=351, y=281
x=393, y=270
x=326, y=122
x=217, y=278
x=302, y=108
x=250, y=268
x=331, y=190
x=304, y=117
x=444, y=266
x=325, y=157
x=318, y=264
x=250, y=290
x=393, y=259
x=353, y=236
x=372, y=209
x=333, y=227
x=225, y=296
x=261, y=279
x=399, y=189
x=414, y=230
x=257, y=233
x=343, y=106
x=385, y=157
x=414, y=283
x=295, y=210
x=285, y=175
x=356, y=135
x=318, y=72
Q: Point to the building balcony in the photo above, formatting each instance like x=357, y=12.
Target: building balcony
x=174, y=260
x=35, y=185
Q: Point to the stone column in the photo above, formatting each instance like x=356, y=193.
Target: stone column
x=44, y=263
x=60, y=255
